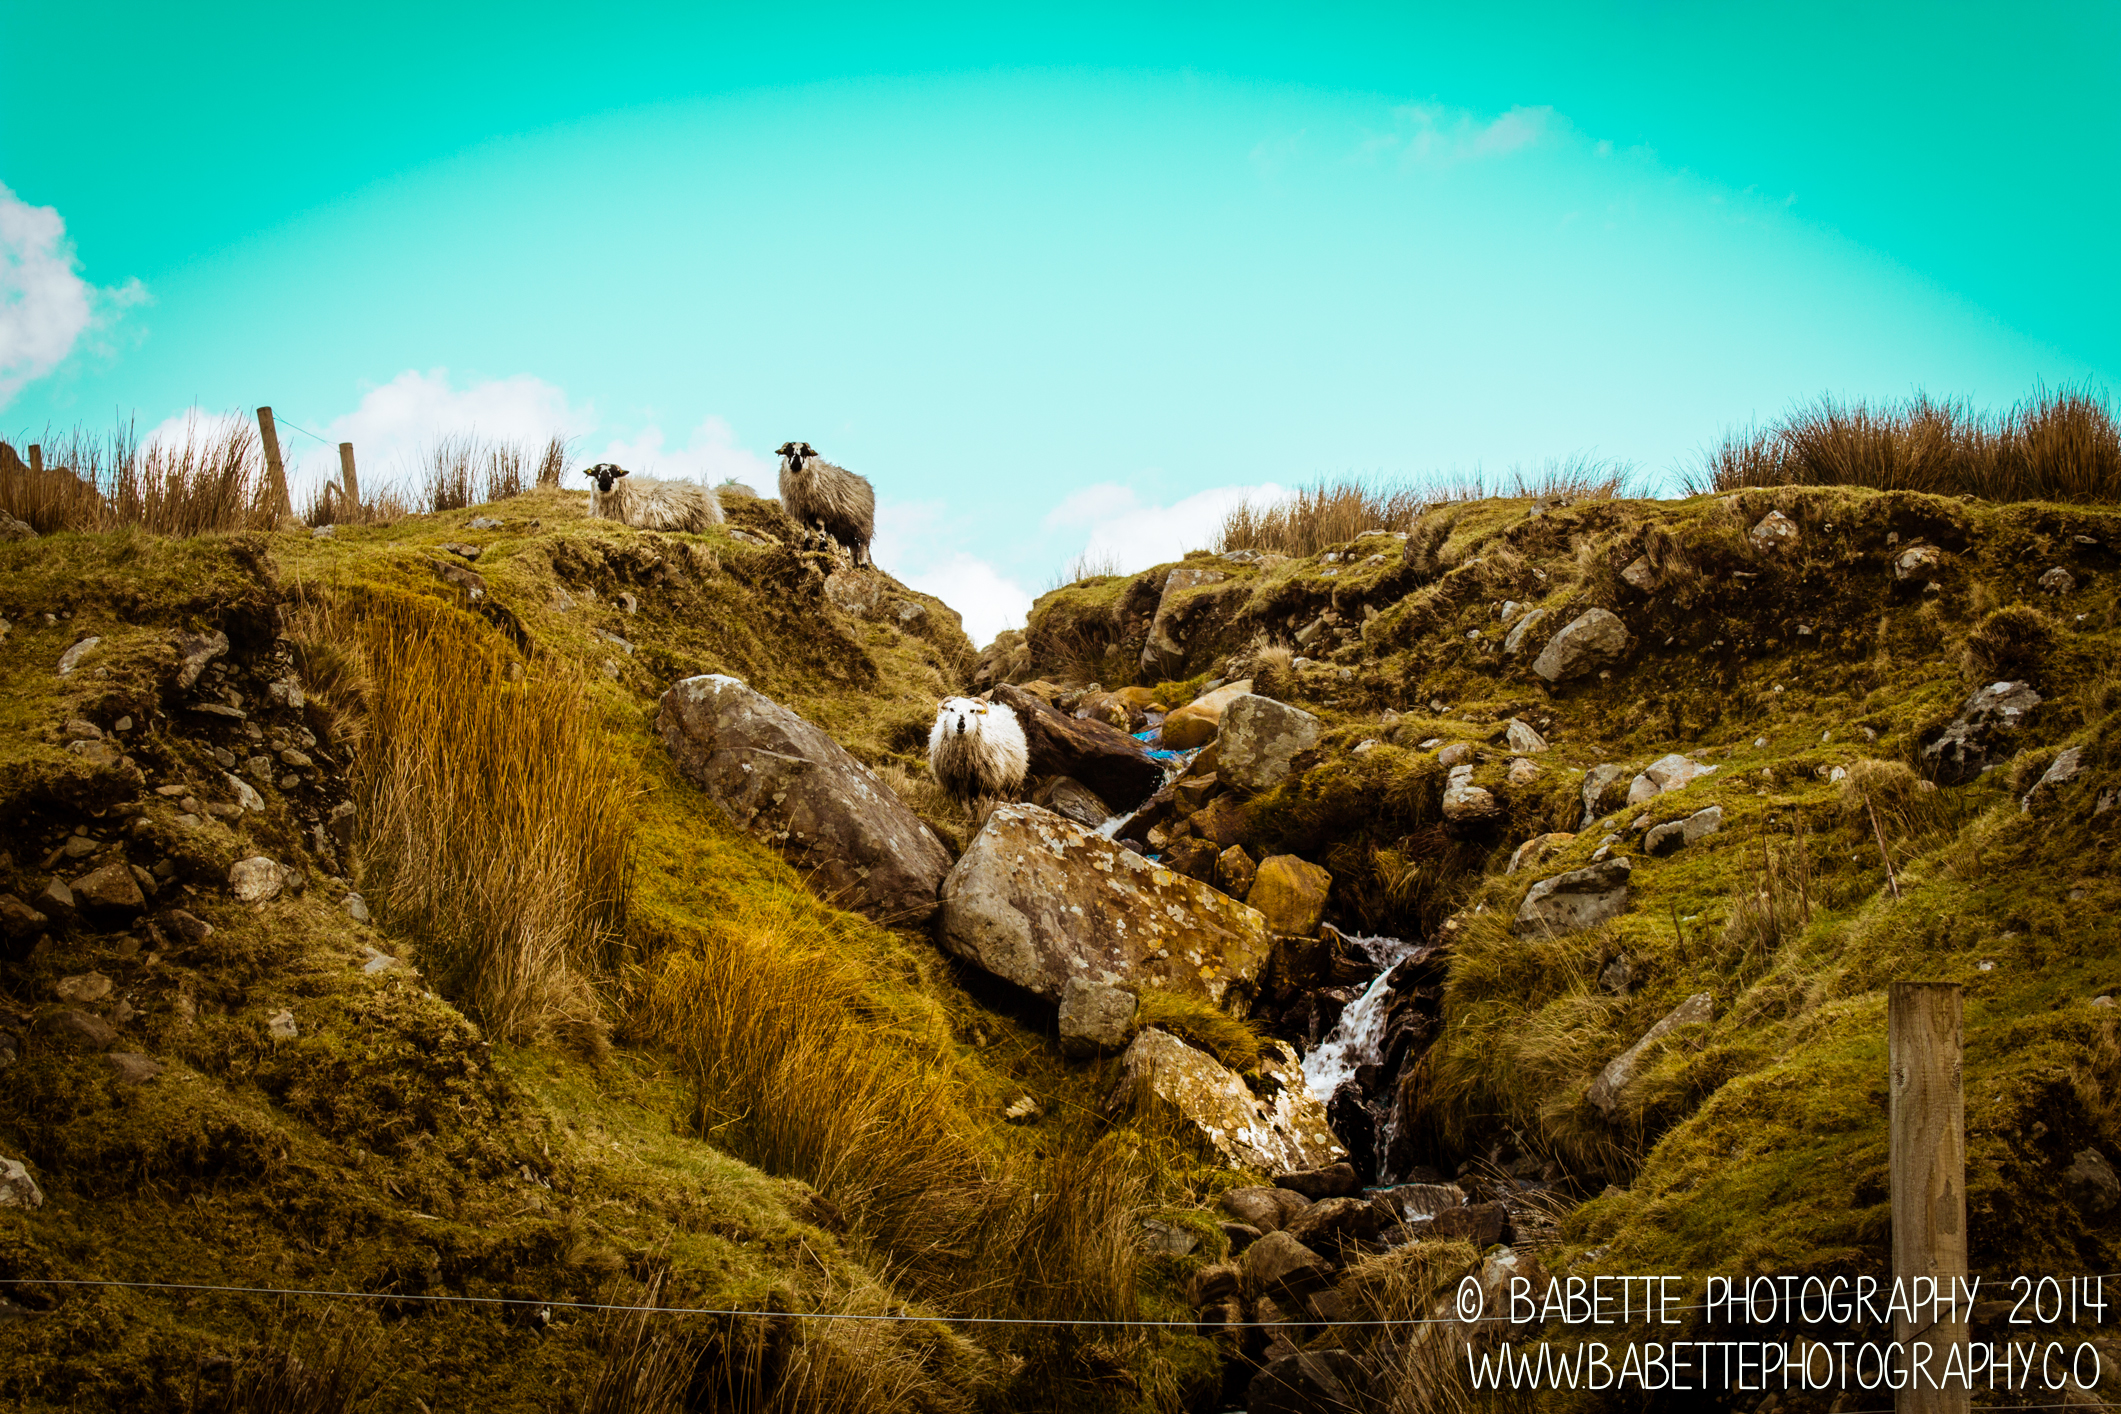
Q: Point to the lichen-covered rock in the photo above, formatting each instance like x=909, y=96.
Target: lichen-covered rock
x=1596, y=782
x=1521, y=738
x=71, y=658
x=256, y=879
x=1574, y=900
x=17, y=1188
x=2066, y=767
x=1666, y=773
x=1196, y=723
x=1532, y=851
x=1290, y=894
x=1612, y=1083
x=1917, y=560
x=1776, y=534
x=1592, y=640
x=1094, y=1017
x=1664, y=839
x=1278, y=1134
x=196, y=650
x=1259, y=739
x=1975, y=738
x=2058, y=581
x=1465, y=803
x=1164, y=654
x=786, y=782
x=1235, y=873
x=1038, y=900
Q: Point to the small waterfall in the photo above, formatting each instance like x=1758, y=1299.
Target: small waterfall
x=1358, y=1037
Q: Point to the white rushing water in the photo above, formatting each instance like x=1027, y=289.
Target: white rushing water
x=1358, y=1037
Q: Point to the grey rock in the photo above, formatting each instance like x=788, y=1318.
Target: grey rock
x=71, y=658
x=1212, y=1102
x=1975, y=738
x=1070, y=798
x=1776, y=534
x=1522, y=633
x=281, y=1025
x=1264, y=1207
x=111, y=889
x=1522, y=739
x=18, y=919
x=132, y=1067
x=1458, y=753
x=1592, y=640
x=1612, y=1083
x=1094, y=1017
x=1038, y=900
x=1664, y=839
x=197, y=650
x=1665, y=774
x=256, y=879
x=78, y=1028
x=1022, y=1110
x=1258, y=740
x=2066, y=767
x=1465, y=803
x=82, y=987
x=80, y=729
x=189, y=927
x=1577, y=899
x=1165, y=652
x=246, y=796
x=57, y=897
x=2058, y=581
x=1596, y=782
x=357, y=908
x=1641, y=574
x=1917, y=560
x=787, y=783
x=1167, y=1238
x=2091, y=1183
x=17, y=1188
x=1618, y=977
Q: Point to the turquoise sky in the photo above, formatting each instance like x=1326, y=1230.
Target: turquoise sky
x=1053, y=279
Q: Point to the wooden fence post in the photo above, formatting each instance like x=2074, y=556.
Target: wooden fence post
x=348, y=482
x=36, y=457
x=1925, y=1039
x=275, y=469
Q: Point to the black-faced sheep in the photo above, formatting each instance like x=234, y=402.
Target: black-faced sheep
x=649, y=504
x=977, y=749
x=815, y=493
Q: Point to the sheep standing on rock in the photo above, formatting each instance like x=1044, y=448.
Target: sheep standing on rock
x=977, y=749
x=648, y=504
x=817, y=494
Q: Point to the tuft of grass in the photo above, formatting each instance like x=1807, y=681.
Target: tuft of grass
x=462, y=469
x=494, y=816
x=323, y=1370
x=1199, y=1022
x=211, y=480
x=2011, y=643
x=1328, y=513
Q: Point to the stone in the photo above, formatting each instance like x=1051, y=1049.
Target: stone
x=1274, y=1135
x=1596, y=782
x=1592, y=640
x=246, y=795
x=97, y=753
x=1259, y=739
x=1221, y=823
x=1239, y=1235
x=1328, y=1381
x=785, y=782
x=1336, y=1224
x=1290, y=894
x=57, y=897
x=2058, y=581
x=78, y=1028
x=1112, y=764
x=2066, y=767
x=1168, y=1238
x=1037, y=900
x=1917, y=561
x=1458, y=753
x=1022, y=1110
x=189, y=927
x=374, y=960
x=1215, y=1283
x=132, y=1067
x=2091, y=1183
x=256, y=879
x=17, y=1188
x=1618, y=977
x=1194, y=858
x=1196, y=723
x=1522, y=739
x=196, y=650
x=281, y=1025
x=1537, y=848
x=1612, y=1083
x=1975, y=738
x=18, y=919
x=79, y=729
x=1666, y=773
x=1577, y=899
x=71, y=658
x=1664, y=839
x=111, y=889
x=1235, y=873
x=1164, y=654
x=1426, y=1200
x=1522, y=632
x=1068, y=797
x=1465, y=803
x=1776, y=534
x=356, y=908
x=1523, y=771
x=82, y=987
x=1264, y=1207
x=1094, y=1018
x=1329, y=1181
x=1482, y=1224
x=12, y=530
x=1279, y=1265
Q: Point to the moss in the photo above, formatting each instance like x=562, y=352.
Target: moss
x=1200, y=1023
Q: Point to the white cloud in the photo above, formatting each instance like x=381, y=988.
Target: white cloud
x=1130, y=535
x=1434, y=135
x=986, y=599
x=45, y=305
x=711, y=455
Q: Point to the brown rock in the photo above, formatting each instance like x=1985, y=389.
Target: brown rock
x=1278, y=1265
x=1064, y=795
x=1196, y=723
x=1235, y=871
x=1290, y=894
x=1192, y=792
x=18, y=919
x=1222, y=821
x=1213, y=1284
x=111, y=889
x=1613, y=1081
x=1330, y=1181
x=1165, y=653
x=1481, y=1224
x=82, y=987
x=1194, y=858
x=1104, y=758
x=78, y=1028
x=132, y=1067
x=191, y=929
x=1334, y=1223
x=1264, y=1207
x=1239, y=1235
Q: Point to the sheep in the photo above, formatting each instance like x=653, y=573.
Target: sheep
x=649, y=504
x=977, y=749
x=831, y=498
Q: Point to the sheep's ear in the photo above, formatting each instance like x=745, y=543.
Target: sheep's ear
x=784, y=449
x=620, y=471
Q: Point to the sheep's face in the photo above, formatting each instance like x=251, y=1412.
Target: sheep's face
x=961, y=716
x=605, y=475
x=794, y=454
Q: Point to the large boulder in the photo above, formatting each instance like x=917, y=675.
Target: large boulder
x=1976, y=737
x=1164, y=654
x=1573, y=900
x=1592, y=640
x=1678, y=834
x=1112, y=764
x=1196, y=723
x=786, y=782
x=1038, y=900
x=1665, y=774
x=1290, y=894
x=1259, y=740
x=1278, y=1134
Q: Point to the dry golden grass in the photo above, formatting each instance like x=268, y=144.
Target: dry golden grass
x=1423, y=1366
x=463, y=469
x=323, y=1369
x=2057, y=445
x=495, y=817
x=212, y=480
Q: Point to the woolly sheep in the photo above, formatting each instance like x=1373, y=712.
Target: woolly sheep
x=814, y=492
x=649, y=504
x=977, y=749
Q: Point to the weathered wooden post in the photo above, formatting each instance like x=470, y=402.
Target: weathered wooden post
x=348, y=482
x=1925, y=1039
x=36, y=457
x=275, y=470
